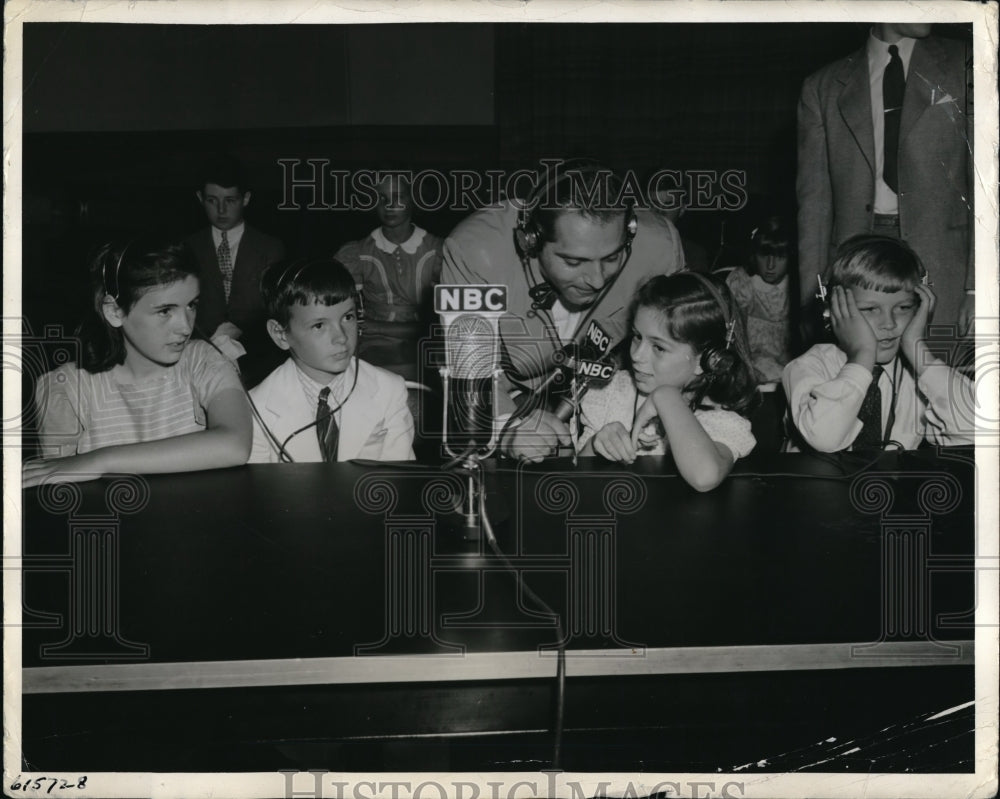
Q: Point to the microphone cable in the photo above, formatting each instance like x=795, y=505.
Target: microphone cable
x=253, y=406
x=525, y=590
x=542, y=606
x=283, y=455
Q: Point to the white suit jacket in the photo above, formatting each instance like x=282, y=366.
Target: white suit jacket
x=375, y=422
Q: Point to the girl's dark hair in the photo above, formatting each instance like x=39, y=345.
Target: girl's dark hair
x=322, y=280
x=124, y=271
x=772, y=237
x=695, y=315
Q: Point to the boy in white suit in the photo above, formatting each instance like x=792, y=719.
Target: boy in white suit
x=324, y=403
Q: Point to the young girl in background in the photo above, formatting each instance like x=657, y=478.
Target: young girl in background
x=690, y=386
x=761, y=291
x=144, y=397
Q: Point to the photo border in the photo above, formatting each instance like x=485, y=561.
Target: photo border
x=984, y=20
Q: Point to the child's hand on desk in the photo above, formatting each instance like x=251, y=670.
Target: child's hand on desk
x=852, y=330
x=613, y=442
x=650, y=436
x=73, y=469
x=536, y=437
x=915, y=328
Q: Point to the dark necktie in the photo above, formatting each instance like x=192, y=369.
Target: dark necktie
x=225, y=257
x=893, y=87
x=870, y=415
x=326, y=428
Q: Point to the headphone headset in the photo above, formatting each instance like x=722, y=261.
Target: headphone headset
x=823, y=295
x=299, y=266
x=716, y=359
x=118, y=265
x=528, y=235
x=824, y=288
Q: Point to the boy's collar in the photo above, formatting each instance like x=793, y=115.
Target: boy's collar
x=313, y=387
x=233, y=233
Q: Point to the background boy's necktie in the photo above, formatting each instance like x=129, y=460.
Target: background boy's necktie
x=225, y=256
x=327, y=430
x=870, y=415
x=893, y=88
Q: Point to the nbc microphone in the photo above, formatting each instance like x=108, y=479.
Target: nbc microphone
x=470, y=355
x=581, y=366
x=471, y=318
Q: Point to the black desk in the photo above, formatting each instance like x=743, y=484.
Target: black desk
x=330, y=616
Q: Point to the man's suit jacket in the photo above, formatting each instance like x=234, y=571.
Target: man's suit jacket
x=375, y=422
x=836, y=167
x=245, y=308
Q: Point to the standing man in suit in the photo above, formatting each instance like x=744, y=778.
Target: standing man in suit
x=885, y=146
x=233, y=256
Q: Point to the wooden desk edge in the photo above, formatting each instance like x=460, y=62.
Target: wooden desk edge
x=491, y=666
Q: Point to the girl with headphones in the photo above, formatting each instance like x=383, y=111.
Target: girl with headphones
x=143, y=397
x=690, y=386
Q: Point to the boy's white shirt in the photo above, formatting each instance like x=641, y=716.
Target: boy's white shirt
x=375, y=421
x=825, y=393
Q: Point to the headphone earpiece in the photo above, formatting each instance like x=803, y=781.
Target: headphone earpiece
x=716, y=361
x=823, y=295
x=526, y=235
x=543, y=296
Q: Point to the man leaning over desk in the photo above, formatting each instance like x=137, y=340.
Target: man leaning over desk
x=572, y=254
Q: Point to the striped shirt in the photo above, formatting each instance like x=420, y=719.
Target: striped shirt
x=81, y=412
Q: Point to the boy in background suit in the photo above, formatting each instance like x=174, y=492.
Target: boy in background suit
x=233, y=257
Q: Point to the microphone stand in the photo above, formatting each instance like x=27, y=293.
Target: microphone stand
x=470, y=461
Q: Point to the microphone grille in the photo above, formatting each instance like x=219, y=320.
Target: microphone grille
x=470, y=347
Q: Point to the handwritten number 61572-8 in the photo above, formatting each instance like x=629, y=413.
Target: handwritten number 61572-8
x=38, y=784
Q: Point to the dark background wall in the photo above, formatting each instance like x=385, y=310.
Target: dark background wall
x=105, y=77
x=117, y=118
